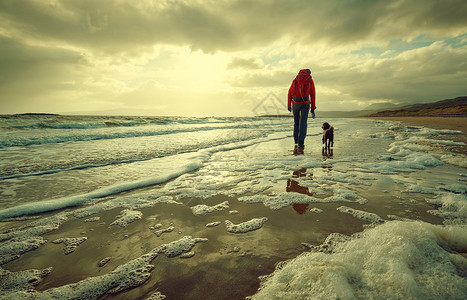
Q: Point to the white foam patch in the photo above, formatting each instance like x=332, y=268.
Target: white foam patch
x=381, y=135
x=455, y=159
x=431, y=131
x=360, y=214
x=166, y=230
x=202, y=209
x=70, y=243
x=183, y=245
x=191, y=192
x=247, y=187
x=416, y=147
x=435, y=141
x=129, y=202
x=397, y=218
x=457, y=188
x=417, y=188
x=408, y=163
x=157, y=296
x=126, y=217
x=453, y=208
x=277, y=201
x=251, y=225
x=396, y=260
x=126, y=276
x=187, y=254
x=104, y=261
x=213, y=224
x=28, y=237
x=341, y=194
x=21, y=280
x=409, y=153
x=12, y=249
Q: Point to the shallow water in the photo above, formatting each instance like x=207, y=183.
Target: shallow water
x=376, y=172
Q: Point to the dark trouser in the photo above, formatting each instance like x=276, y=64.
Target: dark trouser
x=300, y=115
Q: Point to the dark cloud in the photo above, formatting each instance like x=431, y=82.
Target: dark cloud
x=426, y=74
x=112, y=26
x=28, y=72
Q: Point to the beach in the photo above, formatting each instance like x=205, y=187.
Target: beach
x=453, y=123
x=220, y=208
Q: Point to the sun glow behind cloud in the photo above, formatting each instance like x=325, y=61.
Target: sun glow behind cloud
x=221, y=58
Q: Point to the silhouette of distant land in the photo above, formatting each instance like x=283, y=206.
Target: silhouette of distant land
x=456, y=107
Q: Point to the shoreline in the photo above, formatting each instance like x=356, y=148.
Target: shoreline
x=453, y=123
x=441, y=123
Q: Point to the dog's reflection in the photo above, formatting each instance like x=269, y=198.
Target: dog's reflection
x=327, y=153
x=295, y=187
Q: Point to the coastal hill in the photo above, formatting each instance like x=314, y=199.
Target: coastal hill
x=456, y=107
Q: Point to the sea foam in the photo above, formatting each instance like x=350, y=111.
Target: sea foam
x=453, y=207
x=187, y=163
x=395, y=260
x=174, y=166
x=362, y=215
x=126, y=217
x=251, y=225
x=202, y=209
x=131, y=274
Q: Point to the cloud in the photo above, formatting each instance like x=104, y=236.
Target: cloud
x=429, y=73
x=31, y=72
x=119, y=26
x=95, y=52
x=263, y=79
x=245, y=63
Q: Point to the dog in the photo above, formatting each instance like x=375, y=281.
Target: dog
x=328, y=135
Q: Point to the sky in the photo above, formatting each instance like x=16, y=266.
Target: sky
x=226, y=57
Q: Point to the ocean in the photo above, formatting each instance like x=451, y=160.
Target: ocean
x=111, y=207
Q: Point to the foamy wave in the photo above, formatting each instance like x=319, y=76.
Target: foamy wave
x=186, y=162
x=394, y=260
x=193, y=161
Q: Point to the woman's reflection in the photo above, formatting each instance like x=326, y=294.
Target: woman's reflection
x=294, y=186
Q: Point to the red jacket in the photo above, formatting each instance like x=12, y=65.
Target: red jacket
x=302, y=86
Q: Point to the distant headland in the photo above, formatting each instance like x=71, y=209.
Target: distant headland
x=456, y=107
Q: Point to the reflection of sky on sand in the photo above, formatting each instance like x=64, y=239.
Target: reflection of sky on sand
x=376, y=171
